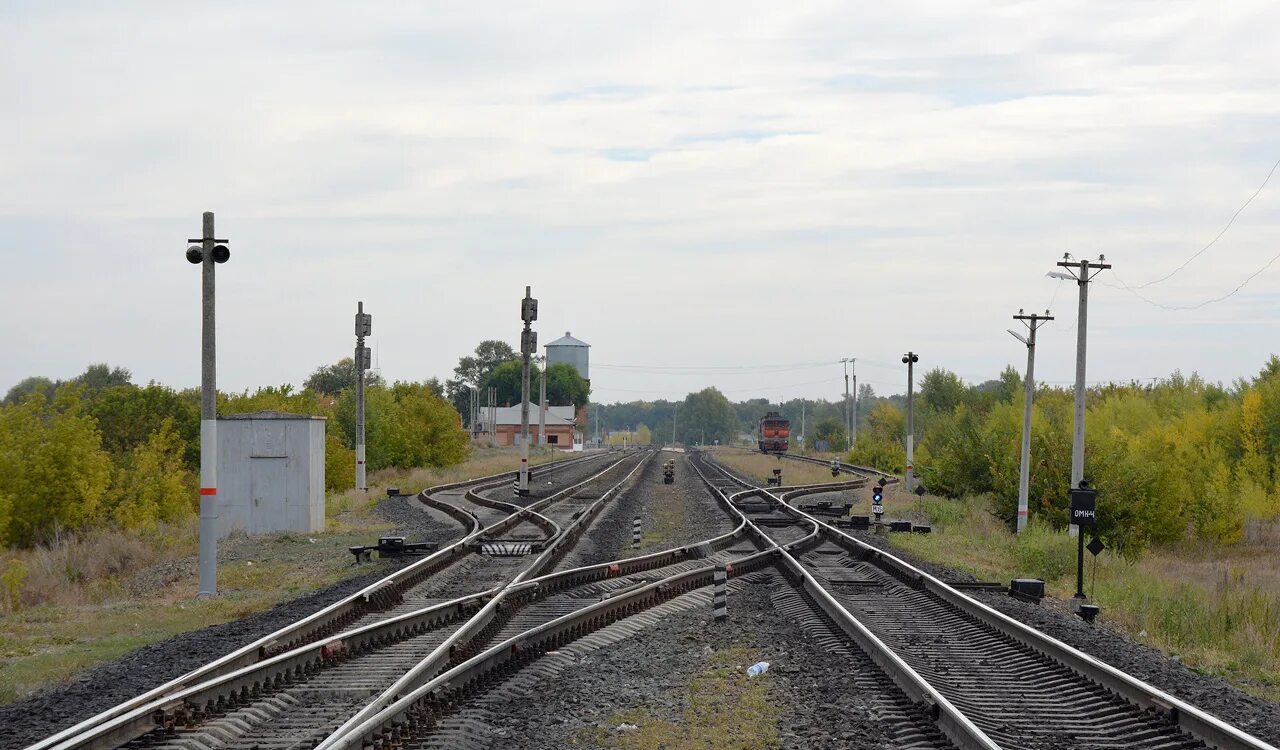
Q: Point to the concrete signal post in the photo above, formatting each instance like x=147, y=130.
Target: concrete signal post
x=528, y=345
x=910, y=359
x=1032, y=322
x=364, y=327
x=208, y=252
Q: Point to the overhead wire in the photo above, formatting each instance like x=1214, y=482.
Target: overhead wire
x=1133, y=289
x=1217, y=237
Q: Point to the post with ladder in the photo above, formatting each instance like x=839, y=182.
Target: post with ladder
x=364, y=327
x=910, y=359
x=528, y=345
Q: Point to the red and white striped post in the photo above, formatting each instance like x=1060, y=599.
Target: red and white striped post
x=207, y=253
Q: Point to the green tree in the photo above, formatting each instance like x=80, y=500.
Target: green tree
x=52, y=467
x=99, y=376
x=507, y=378
x=707, y=414
x=406, y=426
x=152, y=483
x=128, y=416
x=831, y=430
x=565, y=386
x=339, y=462
x=942, y=390
x=333, y=379
x=473, y=370
x=28, y=386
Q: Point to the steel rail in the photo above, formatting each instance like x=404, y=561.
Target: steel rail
x=1194, y=721
x=449, y=650
x=846, y=467
x=954, y=724
x=316, y=625
x=220, y=692
x=407, y=709
x=426, y=702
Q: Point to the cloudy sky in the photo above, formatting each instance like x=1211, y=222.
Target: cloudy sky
x=736, y=194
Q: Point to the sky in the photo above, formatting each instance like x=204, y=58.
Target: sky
x=730, y=194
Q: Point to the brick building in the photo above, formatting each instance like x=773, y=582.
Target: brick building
x=562, y=430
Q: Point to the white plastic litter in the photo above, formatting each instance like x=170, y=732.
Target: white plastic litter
x=757, y=669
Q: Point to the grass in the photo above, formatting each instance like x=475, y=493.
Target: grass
x=724, y=710
x=1217, y=608
x=86, y=600
x=759, y=467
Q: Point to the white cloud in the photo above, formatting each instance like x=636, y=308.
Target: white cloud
x=681, y=183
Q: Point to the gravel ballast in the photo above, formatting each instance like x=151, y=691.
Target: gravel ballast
x=671, y=515
x=1256, y=716
x=818, y=701
x=102, y=687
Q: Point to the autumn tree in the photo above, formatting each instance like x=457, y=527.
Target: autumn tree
x=333, y=379
x=53, y=470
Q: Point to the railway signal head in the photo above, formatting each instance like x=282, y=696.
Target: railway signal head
x=221, y=254
x=877, y=495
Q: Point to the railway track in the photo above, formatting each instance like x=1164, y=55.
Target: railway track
x=946, y=670
x=992, y=681
x=416, y=603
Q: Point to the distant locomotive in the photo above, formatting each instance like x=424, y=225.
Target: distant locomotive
x=775, y=430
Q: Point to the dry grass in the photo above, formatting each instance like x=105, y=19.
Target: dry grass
x=87, y=599
x=759, y=467
x=482, y=462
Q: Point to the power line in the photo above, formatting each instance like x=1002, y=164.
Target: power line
x=1202, y=303
x=1212, y=242
x=717, y=369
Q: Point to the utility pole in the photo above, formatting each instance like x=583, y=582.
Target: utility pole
x=675, y=413
x=528, y=345
x=853, y=428
x=208, y=252
x=847, y=432
x=1083, y=271
x=910, y=359
x=803, y=434
x=364, y=327
x=542, y=402
x=1032, y=322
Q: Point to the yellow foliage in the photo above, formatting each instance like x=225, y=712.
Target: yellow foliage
x=152, y=484
x=52, y=466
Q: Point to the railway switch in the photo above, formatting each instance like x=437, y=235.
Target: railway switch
x=388, y=546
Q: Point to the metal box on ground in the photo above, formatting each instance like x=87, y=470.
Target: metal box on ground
x=270, y=473
x=1027, y=589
